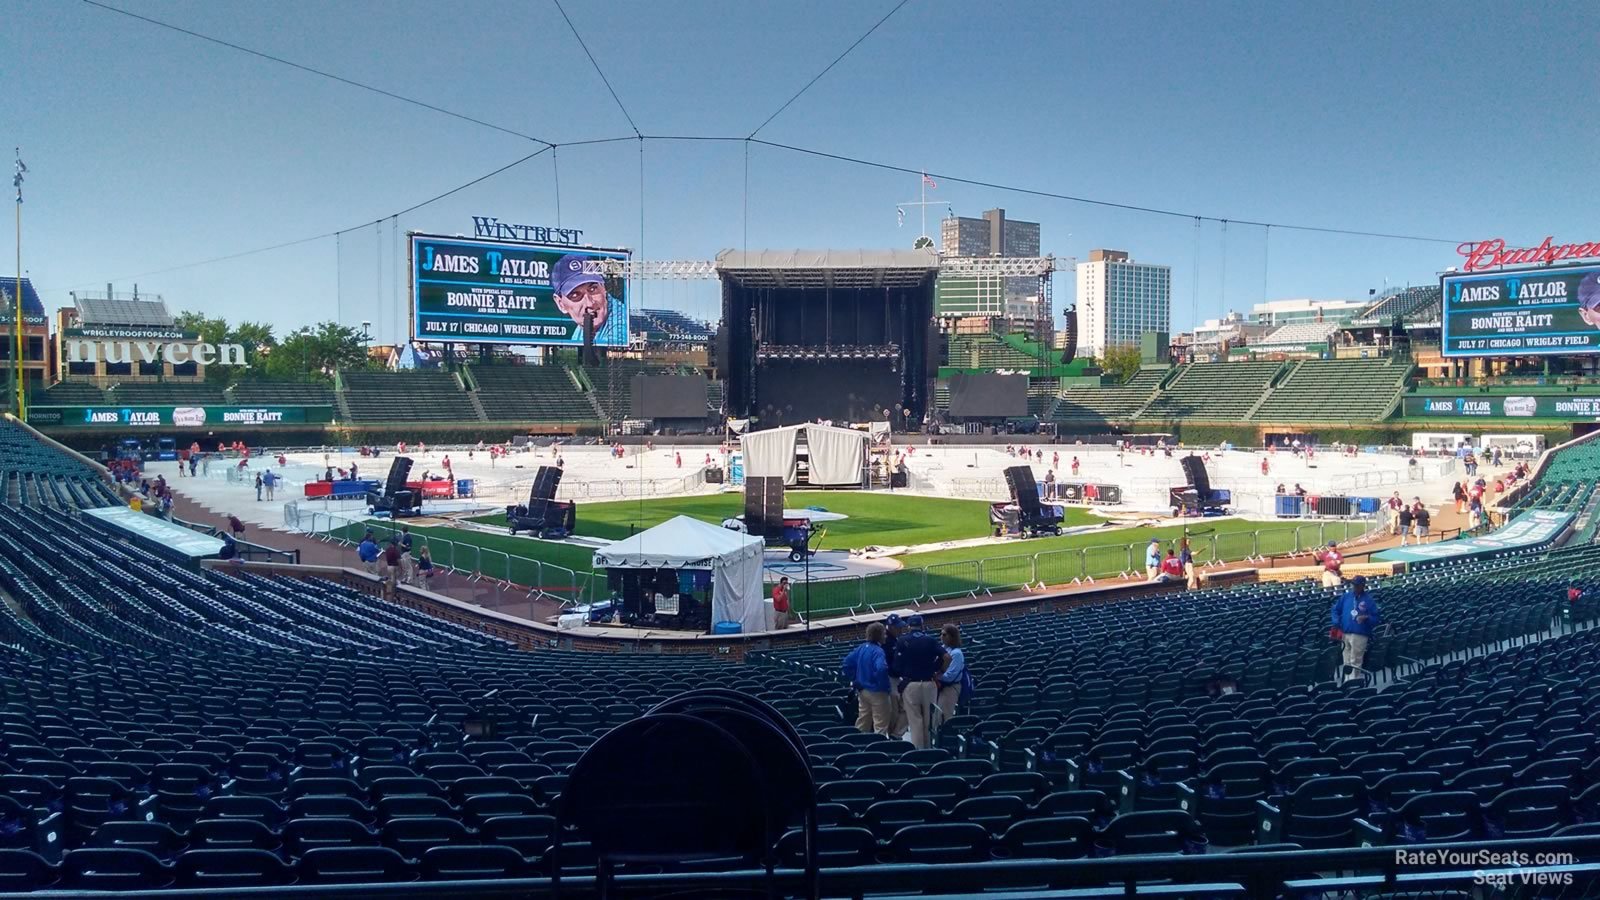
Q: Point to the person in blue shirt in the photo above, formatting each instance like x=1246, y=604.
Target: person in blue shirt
x=1356, y=614
x=368, y=552
x=868, y=671
x=954, y=673
x=918, y=662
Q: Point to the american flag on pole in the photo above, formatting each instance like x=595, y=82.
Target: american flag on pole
x=928, y=181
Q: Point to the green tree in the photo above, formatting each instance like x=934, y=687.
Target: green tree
x=258, y=341
x=256, y=337
x=1122, y=361
x=212, y=331
x=314, y=352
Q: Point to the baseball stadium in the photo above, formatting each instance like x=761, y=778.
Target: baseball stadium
x=957, y=569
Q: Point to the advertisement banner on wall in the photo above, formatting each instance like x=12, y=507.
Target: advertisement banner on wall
x=1527, y=312
x=500, y=292
x=1549, y=406
x=177, y=416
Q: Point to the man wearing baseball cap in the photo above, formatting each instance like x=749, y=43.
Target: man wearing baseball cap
x=894, y=626
x=1355, y=614
x=919, y=663
x=581, y=294
x=1332, y=565
x=1589, y=299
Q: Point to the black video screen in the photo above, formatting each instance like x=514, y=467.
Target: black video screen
x=669, y=397
x=988, y=396
x=792, y=391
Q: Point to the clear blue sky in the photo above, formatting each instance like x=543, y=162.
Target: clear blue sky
x=150, y=149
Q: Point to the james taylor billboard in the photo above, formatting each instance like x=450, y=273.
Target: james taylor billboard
x=513, y=293
x=1527, y=312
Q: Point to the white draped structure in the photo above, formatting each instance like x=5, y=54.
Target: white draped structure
x=771, y=453
x=734, y=559
x=836, y=455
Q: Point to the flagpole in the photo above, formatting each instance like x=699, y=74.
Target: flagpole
x=16, y=328
x=922, y=203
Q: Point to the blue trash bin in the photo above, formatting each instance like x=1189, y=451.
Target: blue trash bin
x=727, y=628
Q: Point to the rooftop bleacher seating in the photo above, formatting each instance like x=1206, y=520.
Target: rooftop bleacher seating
x=165, y=393
x=1300, y=333
x=1107, y=402
x=172, y=727
x=1335, y=390
x=1221, y=392
x=281, y=393
x=531, y=394
x=407, y=396
x=1421, y=303
x=668, y=325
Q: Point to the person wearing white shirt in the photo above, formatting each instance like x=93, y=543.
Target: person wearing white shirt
x=954, y=672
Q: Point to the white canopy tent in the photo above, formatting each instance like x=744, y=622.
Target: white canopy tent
x=684, y=543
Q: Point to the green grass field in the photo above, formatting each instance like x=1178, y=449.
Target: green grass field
x=883, y=519
x=564, y=570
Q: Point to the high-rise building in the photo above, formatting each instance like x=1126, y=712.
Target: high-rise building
x=992, y=235
x=1120, y=300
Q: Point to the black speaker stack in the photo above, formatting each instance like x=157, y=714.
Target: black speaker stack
x=399, y=471
x=1069, y=347
x=1194, y=470
x=544, y=514
x=1024, y=490
x=763, y=505
x=396, y=499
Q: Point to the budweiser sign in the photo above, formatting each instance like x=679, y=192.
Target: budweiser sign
x=1493, y=253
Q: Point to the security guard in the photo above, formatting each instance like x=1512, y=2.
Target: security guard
x=893, y=627
x=920, y=658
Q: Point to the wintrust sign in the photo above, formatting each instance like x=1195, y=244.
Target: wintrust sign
x=1492, y=253
x=175, y=352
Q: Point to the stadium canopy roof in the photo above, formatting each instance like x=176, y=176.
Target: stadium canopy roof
x=101, y=311
x=828, y=268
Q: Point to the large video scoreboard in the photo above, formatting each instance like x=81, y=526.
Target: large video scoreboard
x=506, y=292
x=1522, y=312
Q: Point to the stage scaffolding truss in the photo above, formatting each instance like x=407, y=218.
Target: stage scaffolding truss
x=693, y=269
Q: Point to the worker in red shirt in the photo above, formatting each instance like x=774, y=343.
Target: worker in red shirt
x=1332, y=566
x=1172, y=567
x=780, y=602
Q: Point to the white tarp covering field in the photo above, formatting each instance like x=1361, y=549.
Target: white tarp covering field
x=591, y=473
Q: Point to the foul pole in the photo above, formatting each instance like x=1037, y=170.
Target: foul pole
x=16, y=325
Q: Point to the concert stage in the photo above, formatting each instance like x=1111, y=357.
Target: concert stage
x=842, y=335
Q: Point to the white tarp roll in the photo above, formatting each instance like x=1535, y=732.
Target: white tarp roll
x=771, y=454
x=836, y=454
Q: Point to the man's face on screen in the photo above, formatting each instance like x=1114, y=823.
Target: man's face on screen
x=583, y=299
